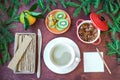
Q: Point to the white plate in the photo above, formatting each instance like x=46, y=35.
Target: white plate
x=47, y=58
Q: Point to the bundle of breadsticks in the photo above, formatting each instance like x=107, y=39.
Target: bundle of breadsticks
x=25, y=49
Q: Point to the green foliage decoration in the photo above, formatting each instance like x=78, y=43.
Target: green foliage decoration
x=8, y=9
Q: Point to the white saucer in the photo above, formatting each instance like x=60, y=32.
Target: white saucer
x=47, y=58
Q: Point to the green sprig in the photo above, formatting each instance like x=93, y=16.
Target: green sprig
x=9, y=9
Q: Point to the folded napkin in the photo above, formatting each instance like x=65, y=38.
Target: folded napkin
x=93, y=62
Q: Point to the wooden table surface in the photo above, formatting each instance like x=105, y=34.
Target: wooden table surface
x=78, y=73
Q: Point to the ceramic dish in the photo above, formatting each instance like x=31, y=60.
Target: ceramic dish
x=50, y=65
x=54, y=30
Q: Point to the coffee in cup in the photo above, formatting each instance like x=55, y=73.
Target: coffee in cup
x=62, y=55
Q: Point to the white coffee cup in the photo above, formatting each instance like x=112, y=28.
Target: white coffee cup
x=62, y=55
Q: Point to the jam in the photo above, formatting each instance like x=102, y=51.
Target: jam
x=87, y=32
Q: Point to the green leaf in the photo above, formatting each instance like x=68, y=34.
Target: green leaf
x=15, y=10
x=105, y=6
x=5, y=58
x=47, y=9
x=80, y=0
x=15, y=3
x=7, y=35
x=100, y=11
x=111, y=52
x=72, y=4
x=5, y=55
x=85, y=11
x=26, y=2
x=33, y=7
x=16, y=18
x=77, y=11
x=97, y=3
x=1, y=47
x=10, y=11
x=26, y=24
x=53, y=2
x=63, y=3
x=88, y=9
x=111, y=7
x=36, y=14
x=118, y=18
x=118, y=1
x=6, y=2
x=11, y=26
x=41, y=4
x=117, y=8
x=2, y=7
x=116, y=25
x=117, y=44
x=111, y=26
x=111, y=46
x=13, y=19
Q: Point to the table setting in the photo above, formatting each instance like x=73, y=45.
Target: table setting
x=61, y=40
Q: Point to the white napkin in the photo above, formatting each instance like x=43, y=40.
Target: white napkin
x=93, y=62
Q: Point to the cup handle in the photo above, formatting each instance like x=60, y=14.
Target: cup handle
x=78, y=21
x=98, y=41
x=77, y=59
